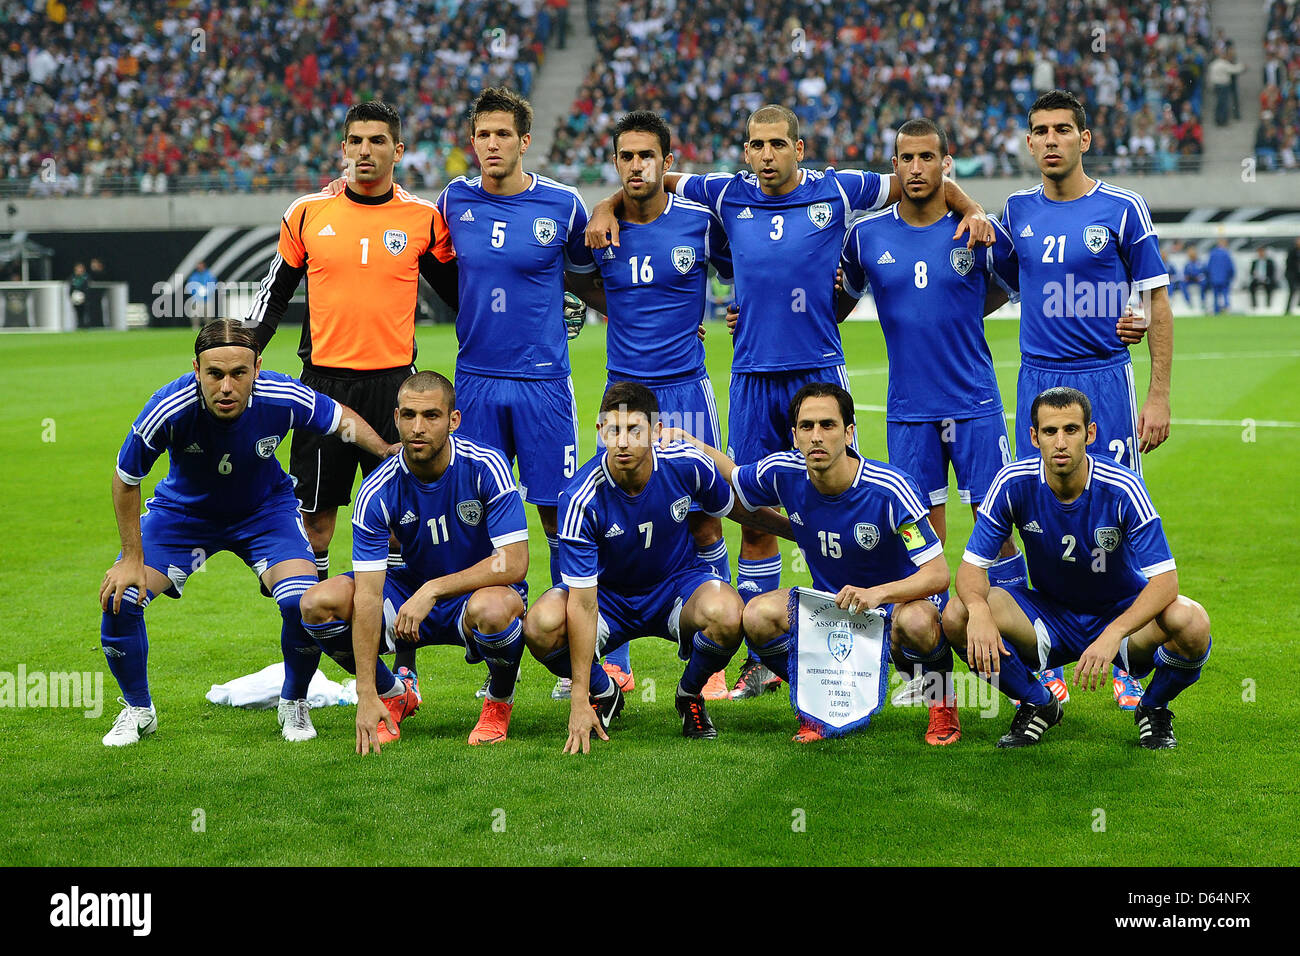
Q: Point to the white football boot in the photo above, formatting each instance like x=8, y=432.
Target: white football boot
x=294, y=717
x=131, y=724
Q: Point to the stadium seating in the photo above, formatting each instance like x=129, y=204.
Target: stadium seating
x=1277, y=139
x=157, y=96
x=854, y=70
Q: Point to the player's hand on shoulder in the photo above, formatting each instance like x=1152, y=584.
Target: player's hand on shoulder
x=733, y=317
x=412, y=614
x=672, y=433
x=125, y=573
x=336, y=186
x=856, y=600
x=582, y=721
x=370, y=711
x=1132, y=326
x=978, y=229
x=602, y=227
x=394, y=450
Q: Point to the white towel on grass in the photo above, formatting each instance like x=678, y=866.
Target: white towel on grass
x=261, y=691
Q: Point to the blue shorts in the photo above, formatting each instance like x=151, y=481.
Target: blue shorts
x=758, y=421
x=445, y=623
x=1108, y=386
x=177, y=543
x=686, y=403
x=977, y=448
x=1063, y=635
x=534, y=420
x=655, y=613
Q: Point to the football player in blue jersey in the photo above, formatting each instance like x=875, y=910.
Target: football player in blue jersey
x=630, y=568
x=519, y=239
x=863, y=529
x=1083, y=248
x=1105, y=583
x=655, y=288
x=225, y=491
x=785, y=225
x=452, y=505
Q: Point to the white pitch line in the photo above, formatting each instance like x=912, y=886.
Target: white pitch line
x=1208, y=422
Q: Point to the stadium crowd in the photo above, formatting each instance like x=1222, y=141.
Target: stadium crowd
x=159, y=96
x=1277, y=139
x=857, y=70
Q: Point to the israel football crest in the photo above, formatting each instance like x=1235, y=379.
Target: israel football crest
x=1095, y=238
x=683, y=258
x=544, y=230
x=266, y=446
x=471, y=512
x=962, y=260
x=394, y=241
x=840, y=643
x=680, y=508
x=820, y=214
x=1107, y=538
x=866, y=535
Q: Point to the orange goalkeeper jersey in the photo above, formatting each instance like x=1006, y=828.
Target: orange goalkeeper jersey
x=362, y=257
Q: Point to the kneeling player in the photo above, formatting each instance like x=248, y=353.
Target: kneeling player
x=224, y=491
x=864, y=532
x=453, y=507
x=1105, y=585
x=629, y=568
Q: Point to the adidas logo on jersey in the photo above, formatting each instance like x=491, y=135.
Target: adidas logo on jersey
x=795, y=519
x=194, y=449
x=745, y=214
x=885, y=259
x=467, y=216
x=408, y=518
x=327, y=231
x=1034, y=527
x=614, y=531
x=1027, y=232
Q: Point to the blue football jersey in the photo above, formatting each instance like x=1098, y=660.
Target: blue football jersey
x=511, y=254
x=656, y=289
x=785, y=250
x=631, y=543
x=1093, y=555
x=444, y=526
x=1079, y=261
x=875, y=532
x=929, y=291
x=222, y=469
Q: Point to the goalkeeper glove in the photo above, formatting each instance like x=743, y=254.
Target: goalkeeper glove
x=575, y=315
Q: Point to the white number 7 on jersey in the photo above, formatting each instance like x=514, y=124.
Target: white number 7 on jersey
x=648, y=529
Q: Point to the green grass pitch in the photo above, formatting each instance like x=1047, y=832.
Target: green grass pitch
x=1088, y=795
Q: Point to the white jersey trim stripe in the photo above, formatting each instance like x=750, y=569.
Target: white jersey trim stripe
x=163, y=411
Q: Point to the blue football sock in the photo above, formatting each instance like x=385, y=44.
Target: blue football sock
x=126, y=647
x=558, y=663
x=757, y=577
x=775, y=655
x=553, y=544
x=707, y=658
x=1015, y=679
x=503, y=651
x=1174, y=674
x=716, y=557
x=335, y=639
x=300, y=650
x=1009, y=571
x=622, y=656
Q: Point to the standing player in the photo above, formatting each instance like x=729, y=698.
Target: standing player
x=863, y=528
x=1105, y=584
x=1083, y=248
x=932, y=294
x=630, y=568
x=656, y=296
x=517, y=235
x=785, y=226
x=224, y=491
x=454, y=509
x=362, y=250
